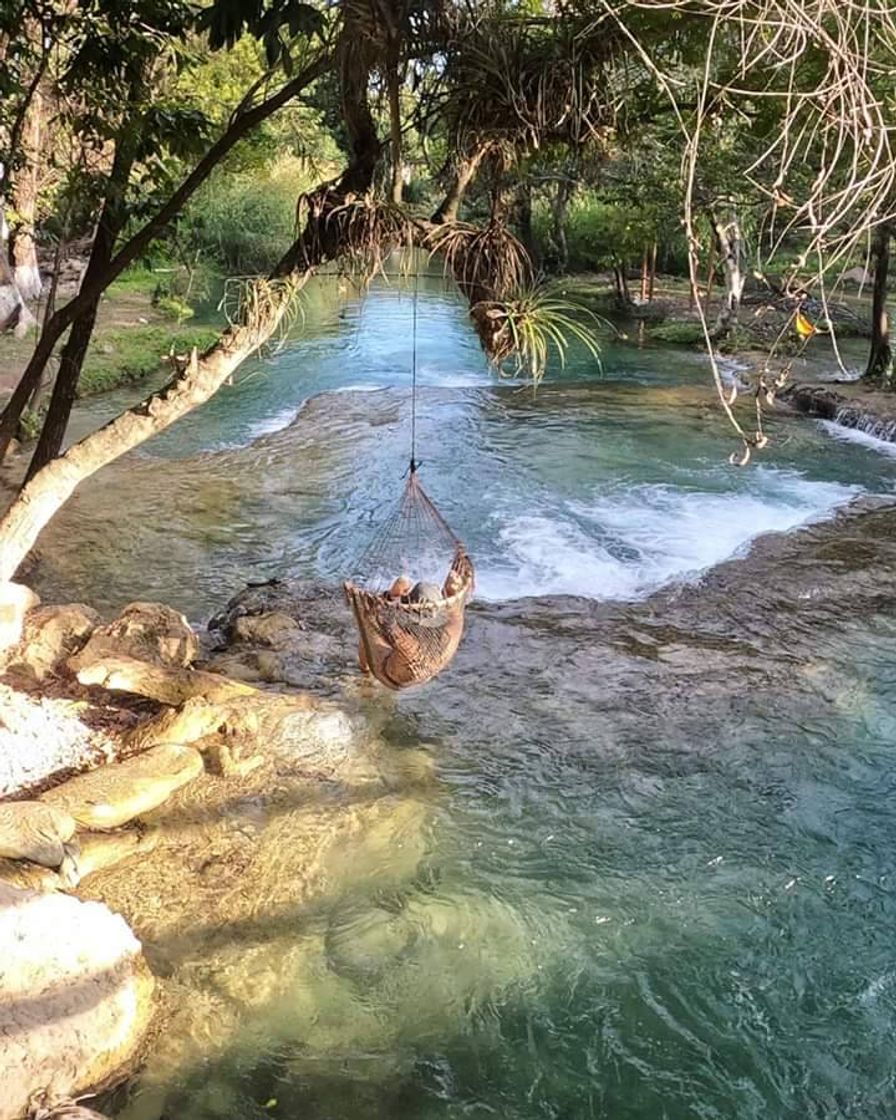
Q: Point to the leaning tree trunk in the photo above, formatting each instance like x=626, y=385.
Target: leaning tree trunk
x=62, y=319
x=51, y=487
x=729, y=248
x=880, y=360
x=322, y=239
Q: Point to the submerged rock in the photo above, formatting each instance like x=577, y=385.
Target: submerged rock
x=149, y=632
x=115, y=794
x=35, y=831
x=75, y=993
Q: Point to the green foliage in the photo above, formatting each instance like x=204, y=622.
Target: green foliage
x=688, y=333
x=246, y=220
x=541, y=322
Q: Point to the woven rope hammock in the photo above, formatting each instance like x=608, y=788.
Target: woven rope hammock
x=414, y=580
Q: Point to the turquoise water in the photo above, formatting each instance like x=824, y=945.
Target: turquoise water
x=655, y=877
x=611, y=481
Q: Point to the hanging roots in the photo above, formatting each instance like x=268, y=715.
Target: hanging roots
x=489, y=265
x=252, y=304
x=360, y=231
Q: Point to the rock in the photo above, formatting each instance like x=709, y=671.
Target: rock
x=32, y=830
x=29, y=876
x=15, y=602
x=115, y=794
x=76, y=997
x=52, y=634
x=146, y=632
x=100, y=850
x=273, y=629
x=38, y=738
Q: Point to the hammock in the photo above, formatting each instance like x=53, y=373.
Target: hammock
x=409, y=602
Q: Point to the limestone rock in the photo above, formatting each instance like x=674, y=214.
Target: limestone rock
x=32, y=830
x=115, y=794
x=29, y=876
x=76, y=997
x=273, y=629
x=52, y=634
x=15, y=602
x=100, y=850
x=149, y=632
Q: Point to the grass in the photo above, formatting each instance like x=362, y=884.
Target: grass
x=123, y=355
x=679, y=334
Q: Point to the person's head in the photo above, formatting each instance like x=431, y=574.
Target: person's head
x=425, y=593
x=401, y=587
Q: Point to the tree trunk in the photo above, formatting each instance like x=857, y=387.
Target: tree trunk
x=131, y=251
x=524, y=221
x=559, y=209
x=397, y=185
x=24, y=198
x=54, y=484
x=71, y=361
x=620, y=280
x=880, y=360
x=645, y=270
x=729, y=245
x=651, y=279
x=464, y=174
x=111, y=222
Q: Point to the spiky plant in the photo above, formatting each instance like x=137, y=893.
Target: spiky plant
x=532, y=324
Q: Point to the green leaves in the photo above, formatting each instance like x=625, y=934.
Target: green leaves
x=274, y=22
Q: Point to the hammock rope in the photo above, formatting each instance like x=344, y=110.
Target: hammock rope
x=412, y=581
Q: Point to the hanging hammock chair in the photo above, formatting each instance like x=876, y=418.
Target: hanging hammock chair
x=413, y=582
x=409, y=604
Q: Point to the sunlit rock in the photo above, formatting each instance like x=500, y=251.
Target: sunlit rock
x=35, y=831
x=51, y=635
x=115, y=794
x=15, y=602
x=149, y=632
x=75, y=997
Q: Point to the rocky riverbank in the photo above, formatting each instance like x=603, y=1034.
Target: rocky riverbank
x=851, y=404
x=100, y=726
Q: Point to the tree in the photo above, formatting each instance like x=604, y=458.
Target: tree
x=880, y=360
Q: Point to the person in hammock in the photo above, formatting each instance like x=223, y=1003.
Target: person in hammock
x=409, y=655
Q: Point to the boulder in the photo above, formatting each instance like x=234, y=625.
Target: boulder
x=115, y=794
x=272, y=629
x=32, y=830
x=51, y=635
x=75, y=993
x=15, y=602
x=146, y=632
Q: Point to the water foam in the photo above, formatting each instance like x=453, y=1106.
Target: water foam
x=628, y=542
x=856, y=435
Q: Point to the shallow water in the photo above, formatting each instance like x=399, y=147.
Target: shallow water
x=652, y=876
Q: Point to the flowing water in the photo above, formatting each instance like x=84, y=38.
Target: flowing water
x=653, y=876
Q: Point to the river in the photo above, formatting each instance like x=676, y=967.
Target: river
x=653, y=877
